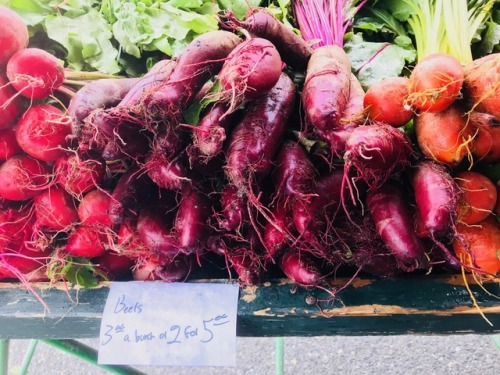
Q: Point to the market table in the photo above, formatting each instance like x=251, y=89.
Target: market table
x=400, y=306
x=404, y=305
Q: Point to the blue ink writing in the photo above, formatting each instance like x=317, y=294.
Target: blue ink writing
x=190, y=332
x=120, y=328
x=217, y=321
x=107, y=334
x=122, y=307
x=220, y=320
x=143, y=337
x=177, y=330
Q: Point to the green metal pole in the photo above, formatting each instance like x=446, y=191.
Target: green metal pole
x=89, y=354
x=280, y=356
x=4, y=357
x=28, y=357
x=496, y=340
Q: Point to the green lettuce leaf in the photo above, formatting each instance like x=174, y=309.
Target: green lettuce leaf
x=372, y=61
x=100, y=35
x=33, y=12
x=88, y=47
x=186, y=4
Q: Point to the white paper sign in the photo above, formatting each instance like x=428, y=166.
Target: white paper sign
x=161, y=324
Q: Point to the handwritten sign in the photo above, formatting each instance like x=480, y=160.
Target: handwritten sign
x=180, y=324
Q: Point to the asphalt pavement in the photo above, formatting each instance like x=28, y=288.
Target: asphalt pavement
x=405, y=355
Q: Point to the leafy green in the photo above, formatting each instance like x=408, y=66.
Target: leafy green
x=101, y=35
x=283, y=12
x=193, y=113
x=372, y=61
x=457, y=27
x=32, y=12
x=186, y=4
x=380, y=20
x=490, y=40
x=370, y=23
x=89, y=48
x=400, y=10
x=76, y=270
x=239, y=7
x=447, y=26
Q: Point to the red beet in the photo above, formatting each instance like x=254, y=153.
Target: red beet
x=391, y=213
x=55, y=209
x=94, y=209
x=376, y=152
x=86, y=241
x=256, y=139
x=301, y=267
x=294, y=50
x=191, y=222
x=23, y=177
x=436, y=196
x=42, y=130
x=8, y=144
x=10, y=103
x=79, y=174
x=35, y=73
x=249, y=71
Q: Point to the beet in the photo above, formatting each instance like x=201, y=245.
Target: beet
x=294, y=50
x=391, y=213
x=256, y=139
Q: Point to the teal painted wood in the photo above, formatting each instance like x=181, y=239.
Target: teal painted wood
x=420, y=305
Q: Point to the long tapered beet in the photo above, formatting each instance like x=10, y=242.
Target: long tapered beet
x=391, y=213
x=352, y=117
x=201, y=59
x=294, y=173
x=158, y=73
x=294, y=50
x=155, y=231
x=278, y=233
x=301, y=267
x=327, y=87
x=165, y=164
x=246, y=264
x=191, y=222
x=99, y=94
x=210, y=134
x=250, y=71
x=130, y=141
x=120, y=131
x=151, y=267
x=310, y=218
x=436, y=196
x=234, y=208
x=132, y=186
x=256, y=139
